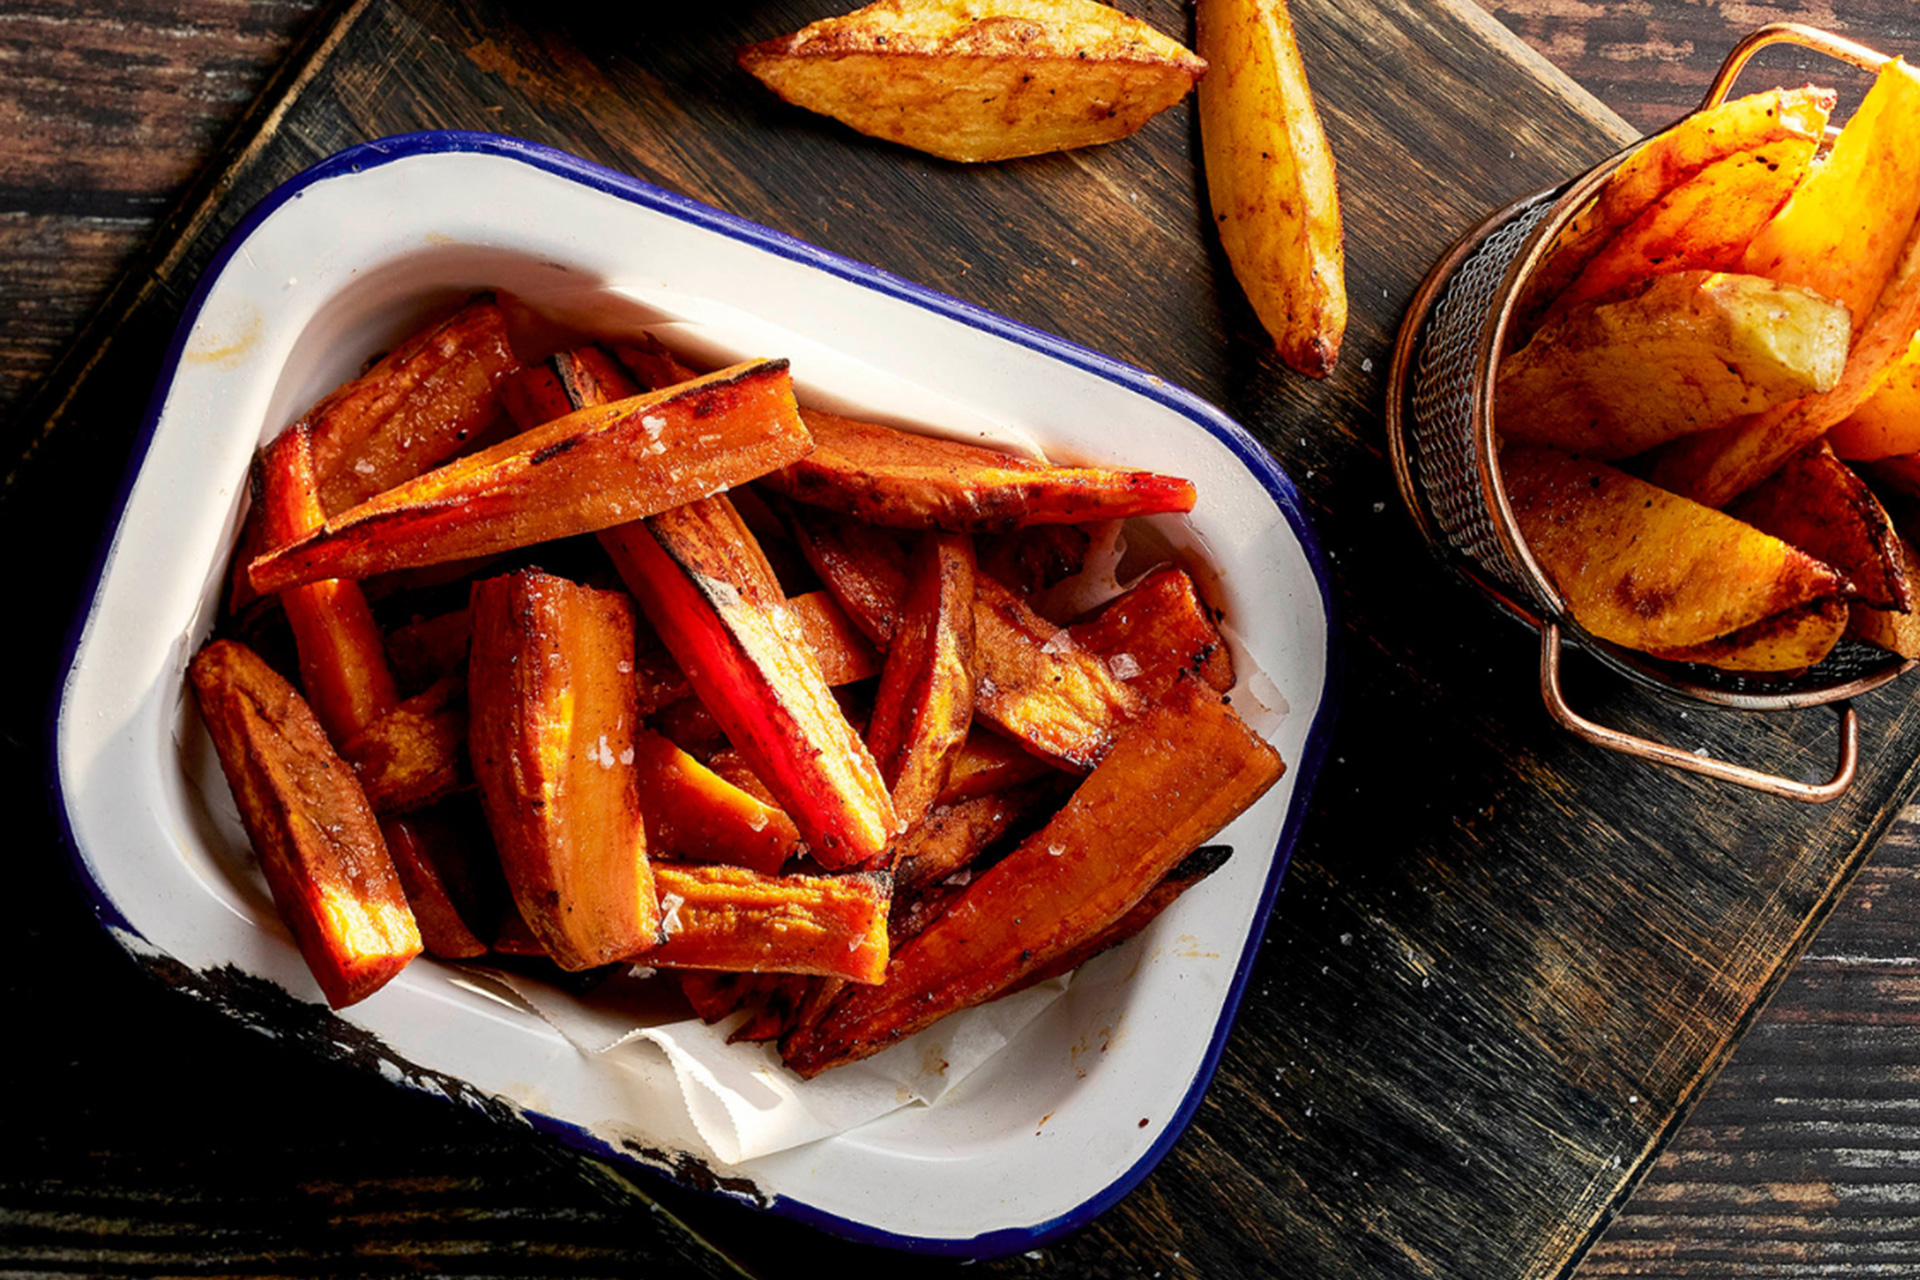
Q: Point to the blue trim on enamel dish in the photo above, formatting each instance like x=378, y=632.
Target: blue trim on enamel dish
x=1250, y=452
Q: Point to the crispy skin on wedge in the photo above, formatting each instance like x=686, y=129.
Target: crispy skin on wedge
x=1270, y=179
x=1894, y=630
x=1818, y=504
x=694, y=814
x=976, y=81
x=731, y=918
x=1197, y=866
x=925, y=702
x=1788, y=642
x=1704, y=224
x=1887, y=423
x=1035, y=684
x=343, y=663
x=550, y=688
x=1648, y=569
x=1189, y=767
x=957, y=832
x=1690, y=351
x=1662, y=164
x=1156, y=631
x=592, y=469
x=864, y=568
x=1852, y=233
x=435, y=395
x=416, y=754
x=310, y=825
x=908, y=481
x=713, y=601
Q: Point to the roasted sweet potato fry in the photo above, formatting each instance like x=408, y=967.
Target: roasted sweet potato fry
x=592, y=469
x=415, y=754
x=955, y=833
x=1817, y=503
x=1197, y=866
x=1188, y=767
x=318, y=843
x=651, y=364
x=987, y=762
x=845, y=654
x=1648, y=569
x=1036, y=685
x=716, y=917
x=550, y=686
x=715, y=604
x=1033, y=559
x=925, y=702
x=446, y=862
x=1154, y=632
x=908, y=481
x=864, y=568
x=694, y=814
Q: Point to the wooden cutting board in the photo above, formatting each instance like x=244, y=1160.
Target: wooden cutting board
x=1504, y=963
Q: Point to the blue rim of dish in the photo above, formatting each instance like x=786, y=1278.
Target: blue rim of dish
x=1250, y=453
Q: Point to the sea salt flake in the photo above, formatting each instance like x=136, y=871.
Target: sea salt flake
x=1058, y=642
x=602, y=754
x=670, y=906
x=654, y=425
x=1123, y=666
x=1055, y=850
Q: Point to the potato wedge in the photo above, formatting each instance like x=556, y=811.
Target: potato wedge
x=318, y=843
x=550, y=688
x=590, y=469
x=863, y=567
x=1662, y=164
x=1887, y=423
x=416, y=753
x=1894, y=630
x=1645, y=568
x=1818, y=504
x=1188, y=768
x=976, y=80
x=1787, y=642
x=903, y=480
x=1851, y=232
x=1689, y=352
x=1270, y=179
x=447, y=864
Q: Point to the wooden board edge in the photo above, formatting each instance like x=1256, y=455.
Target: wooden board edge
x=1473, y=14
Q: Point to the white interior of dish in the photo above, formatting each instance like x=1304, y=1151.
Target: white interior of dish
x=353, y=264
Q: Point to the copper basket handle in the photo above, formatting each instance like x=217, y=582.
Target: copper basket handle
x=1788, y=33
x=1641, y=748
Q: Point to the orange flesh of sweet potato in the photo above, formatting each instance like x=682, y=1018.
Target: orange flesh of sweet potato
x=1188, y=767
x=730, y=918
x=924, y=706
x=343, y=663
x=1156, y=631
x=712, y=993
x=845, y=654
x=550, y=689
x=310, y=825
x=1817, y=503
x=1034, y=683
x=692, y=813
x=987, y=762
x=954, y=834
x=899, y=479
x=715, y=605
x=416, y=754
x=592, y=469
x=863, y=568
x=433, y=396
x=534, y=397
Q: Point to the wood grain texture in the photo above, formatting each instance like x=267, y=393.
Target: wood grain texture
x=1446, y=1048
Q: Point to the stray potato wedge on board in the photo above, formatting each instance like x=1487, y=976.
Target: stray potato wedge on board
x=975, y=80
x=1648, y=569
x=1270, y=178
x=1689, y=352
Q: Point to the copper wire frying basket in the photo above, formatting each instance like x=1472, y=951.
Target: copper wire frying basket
x=1440, y=432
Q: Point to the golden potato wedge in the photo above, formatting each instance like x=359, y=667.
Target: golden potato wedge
x=1819, y=505
x=1663, y=163
x=1888, y=423
x=1787, y=642
x=975, y=80
x=1705, y=223
x=1689, y=352
x=1645, y=568
x=1851, y=232
x=1270, y=178
x=1895, y=630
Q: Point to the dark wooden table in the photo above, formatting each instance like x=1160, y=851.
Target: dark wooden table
x=1804, y=1157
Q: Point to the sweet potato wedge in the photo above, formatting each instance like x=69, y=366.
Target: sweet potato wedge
x=318, y=842
x=1648, y=569
x=924, y=706
x=448, y=867
x=416, y=754
x=1031, y=560
x=1188, y=767
x=1035, y=684
x=1156, y=631
x=980, y=81
x=592, y=469
x=550, y=688
x=1270, y=179
x=694, y=814
x=987, y=762
x=1817, y=503
x=864, y=567
x=906, y=481
x=955, y=833
x=845, y=654
x=715, y=917
x=714, y=603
